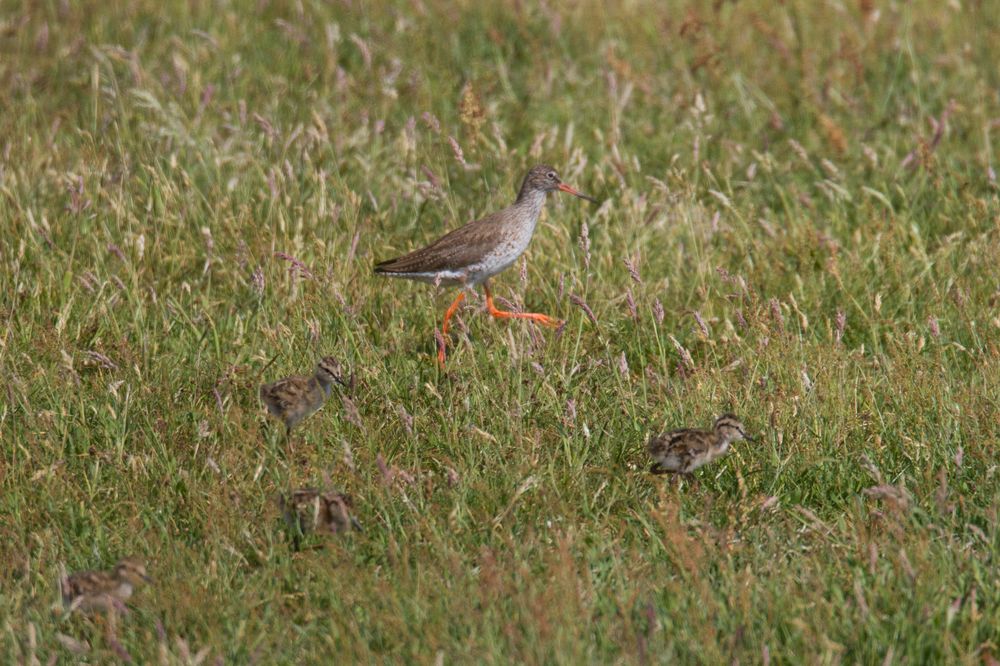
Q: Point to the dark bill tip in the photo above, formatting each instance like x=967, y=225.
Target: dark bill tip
x=576, y=193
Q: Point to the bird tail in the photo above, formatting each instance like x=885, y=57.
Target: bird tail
x=408, y=263
x=389, y=266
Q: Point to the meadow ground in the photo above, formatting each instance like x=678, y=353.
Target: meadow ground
x=800, y=224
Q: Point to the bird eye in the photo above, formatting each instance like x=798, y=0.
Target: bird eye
x=552, y=175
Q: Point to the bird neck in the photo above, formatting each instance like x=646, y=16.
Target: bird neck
x=325, y=383
x=721, y=445
x=529, y=204
x=531, y=194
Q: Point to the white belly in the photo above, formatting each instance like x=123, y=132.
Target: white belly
x=501, y=258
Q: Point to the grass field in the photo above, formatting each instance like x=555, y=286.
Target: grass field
x=800, y=223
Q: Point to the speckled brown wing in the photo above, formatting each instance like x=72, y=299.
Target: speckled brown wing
x=310, y=510
x=299, y=510
x=338, y=516
x=86, y=582
x=658, y=445
x=89, y=589
x=457, y=249
x=676, y=451
x=292, y=399
x=284, y=394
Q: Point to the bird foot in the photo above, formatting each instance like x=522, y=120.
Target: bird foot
x=542, y=319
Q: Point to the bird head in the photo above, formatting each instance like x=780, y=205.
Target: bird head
x=730, y=429
x=543, y=178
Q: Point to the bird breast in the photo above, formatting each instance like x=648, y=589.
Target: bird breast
x=519, y=227
x=722, y=449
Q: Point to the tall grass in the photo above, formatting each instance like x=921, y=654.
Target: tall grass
x=800, y=224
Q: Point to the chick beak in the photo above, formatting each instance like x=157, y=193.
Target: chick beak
x=343, y=380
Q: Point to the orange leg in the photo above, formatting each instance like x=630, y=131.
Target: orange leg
x=545, y=320
x=452, y=309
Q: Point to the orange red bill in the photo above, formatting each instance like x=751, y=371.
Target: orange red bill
x=576, y=193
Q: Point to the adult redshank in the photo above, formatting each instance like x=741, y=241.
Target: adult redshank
x=473, y=253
